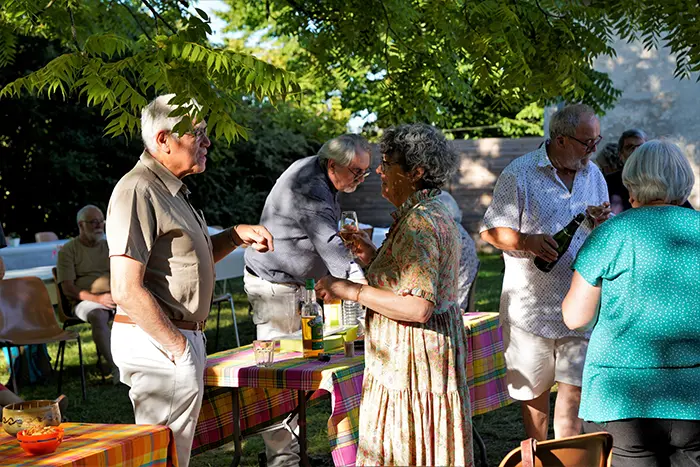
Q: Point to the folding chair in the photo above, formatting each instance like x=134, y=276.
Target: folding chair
x=27, y=317
x=218, y=300
x=590, y=450
x=65, y=315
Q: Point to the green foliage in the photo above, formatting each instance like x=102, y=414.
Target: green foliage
x=54, y=158
x=118, y=71
x=440, y=61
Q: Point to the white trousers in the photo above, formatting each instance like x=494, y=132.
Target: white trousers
x=162, y=392
x=270, y=304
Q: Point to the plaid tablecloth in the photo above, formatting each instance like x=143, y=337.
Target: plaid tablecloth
x=486, y=365
x=265, y=396
x=94, y=445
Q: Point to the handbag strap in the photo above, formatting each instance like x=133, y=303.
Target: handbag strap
x=527, y=452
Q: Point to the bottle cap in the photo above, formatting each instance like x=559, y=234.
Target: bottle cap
x=310, y=284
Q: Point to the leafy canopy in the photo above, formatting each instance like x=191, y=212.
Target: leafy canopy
x=121, y=58
x=439, y=60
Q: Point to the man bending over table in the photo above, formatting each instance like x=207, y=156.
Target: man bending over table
x=162, y=261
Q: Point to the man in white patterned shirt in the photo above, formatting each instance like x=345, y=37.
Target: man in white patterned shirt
x=536, y=196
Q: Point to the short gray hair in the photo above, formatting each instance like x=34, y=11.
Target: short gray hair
x=420, y=145
x=81, y=213
x=631, y=133
x=658, y=170
x=609, y=157
x=154, y=118
x=342, y=149
x=451, y=205
x=565, y=121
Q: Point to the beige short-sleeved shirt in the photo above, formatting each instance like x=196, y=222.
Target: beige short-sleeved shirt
x=150, y=219
x=86, y=266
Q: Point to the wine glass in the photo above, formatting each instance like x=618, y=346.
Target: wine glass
x=348, y=225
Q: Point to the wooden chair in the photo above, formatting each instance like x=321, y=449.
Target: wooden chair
x=27, y=317
x=218, y=300
x=590, y=450
x=40, y=237
x=65, y=316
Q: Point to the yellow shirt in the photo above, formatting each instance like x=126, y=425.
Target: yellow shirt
x=87, y=267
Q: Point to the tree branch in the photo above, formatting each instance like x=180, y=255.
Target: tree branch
x=73, y=30
x=548, y=14
x=138, y=22
x=157, y=16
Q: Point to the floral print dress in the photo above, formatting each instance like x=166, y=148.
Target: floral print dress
x=415, y=399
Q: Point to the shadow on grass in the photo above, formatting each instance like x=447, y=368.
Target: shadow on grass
x=502, y=429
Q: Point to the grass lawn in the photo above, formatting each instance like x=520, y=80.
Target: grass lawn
x=500, y=429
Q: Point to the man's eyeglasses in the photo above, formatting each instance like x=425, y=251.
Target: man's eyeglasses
x=95, y=222
x=199, y=132
x=359, y=173
x=589, y=144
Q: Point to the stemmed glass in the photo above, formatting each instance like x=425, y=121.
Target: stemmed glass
x=348, y=225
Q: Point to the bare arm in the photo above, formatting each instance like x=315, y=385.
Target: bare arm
x=399, y=308
x=228, y=240
x=74, y=293
x=581, y=303
x=507, y=239
x=138, y=303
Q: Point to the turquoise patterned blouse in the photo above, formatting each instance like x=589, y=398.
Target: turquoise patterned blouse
x=643, y=359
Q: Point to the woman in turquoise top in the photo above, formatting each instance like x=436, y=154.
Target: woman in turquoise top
x=641, y=380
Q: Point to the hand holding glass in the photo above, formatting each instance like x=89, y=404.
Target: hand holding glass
x=348, y=225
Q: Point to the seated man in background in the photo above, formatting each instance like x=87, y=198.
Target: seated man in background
x=83, y=275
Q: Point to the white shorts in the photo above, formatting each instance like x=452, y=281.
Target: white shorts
x=83, y=309
x=535, y=363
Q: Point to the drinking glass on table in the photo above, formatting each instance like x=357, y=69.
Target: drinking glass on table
x=264, y=352
x=348, y=225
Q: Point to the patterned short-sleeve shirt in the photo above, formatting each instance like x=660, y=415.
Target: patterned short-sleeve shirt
x=529, y=197
x=420, y=256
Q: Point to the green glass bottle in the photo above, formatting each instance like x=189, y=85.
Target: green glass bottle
x=311, y=323
x=563, y=239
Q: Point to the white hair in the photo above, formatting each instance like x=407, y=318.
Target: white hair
x=343, y=149
x=658, y=170
x=155, y=118
x=81, y=214
x=565, y=121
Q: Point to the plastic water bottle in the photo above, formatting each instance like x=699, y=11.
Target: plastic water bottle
x=351, y=311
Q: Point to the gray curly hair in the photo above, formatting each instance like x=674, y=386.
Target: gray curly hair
x=420, y=145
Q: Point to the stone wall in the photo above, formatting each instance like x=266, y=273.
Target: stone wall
x=481, y=162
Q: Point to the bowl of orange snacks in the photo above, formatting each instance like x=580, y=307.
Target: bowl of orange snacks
x=39, y=440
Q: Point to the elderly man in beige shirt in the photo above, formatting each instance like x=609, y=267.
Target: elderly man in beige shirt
x=82, y=271
x=162, y=262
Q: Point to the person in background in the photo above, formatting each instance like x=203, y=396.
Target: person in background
x=302, y=212
x=415, y=406
x=3, y=244
x=162, y=263
x=619, y=196
x=608, y=159
x=468, y=261
x=536, y=196
x=641, y=269
x=82, y=270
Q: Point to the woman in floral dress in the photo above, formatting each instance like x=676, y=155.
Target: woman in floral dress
x=415, y=400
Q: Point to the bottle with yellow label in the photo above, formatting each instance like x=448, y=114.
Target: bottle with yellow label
x=311, y=323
